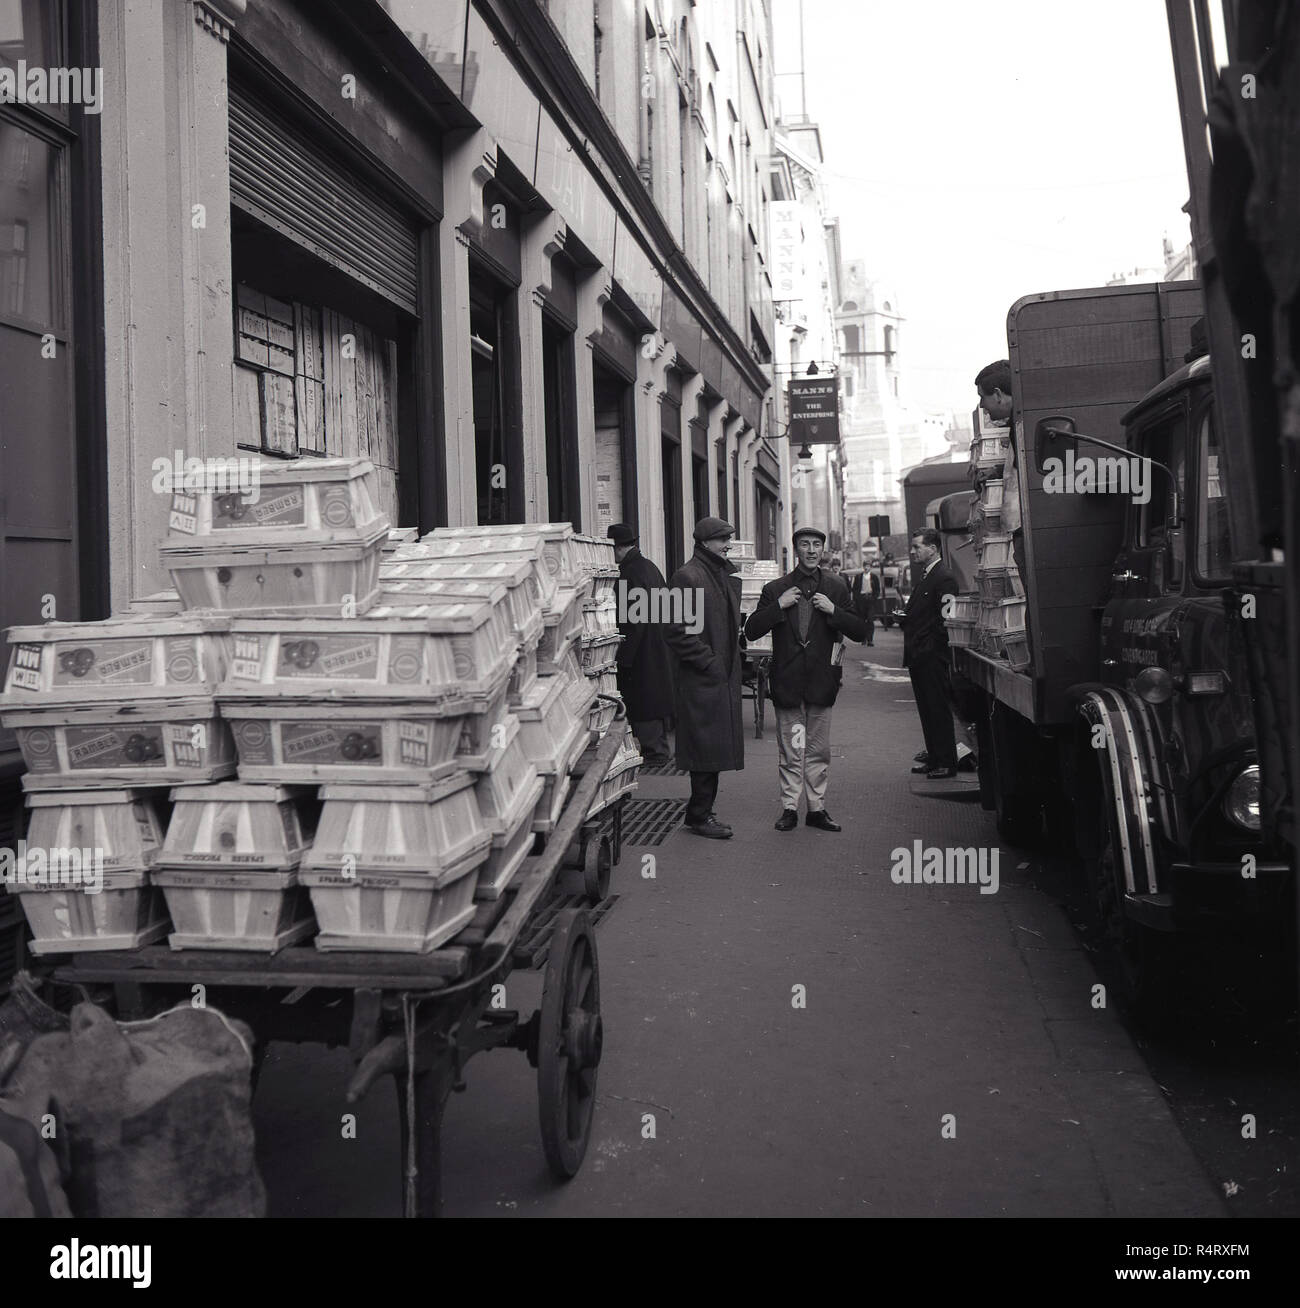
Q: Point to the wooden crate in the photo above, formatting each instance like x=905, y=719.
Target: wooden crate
x=126, y=913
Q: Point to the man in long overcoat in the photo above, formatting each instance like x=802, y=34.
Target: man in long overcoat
x=710, y=737
x=808, y=612
x=645, y=663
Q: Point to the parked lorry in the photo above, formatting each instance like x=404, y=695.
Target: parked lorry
x=1154, y=729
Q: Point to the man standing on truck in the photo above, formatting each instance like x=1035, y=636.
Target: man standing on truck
x=994, y=386
x=925, y=656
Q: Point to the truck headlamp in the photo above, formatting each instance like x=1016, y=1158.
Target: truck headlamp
x=1154, y=685
x=1241, y=803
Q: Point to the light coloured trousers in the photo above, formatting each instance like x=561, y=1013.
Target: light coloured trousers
x=805, y=739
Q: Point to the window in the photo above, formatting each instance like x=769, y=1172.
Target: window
x=889, y=341
x=851, y=345
x=1213, y=543
x=1167, y=445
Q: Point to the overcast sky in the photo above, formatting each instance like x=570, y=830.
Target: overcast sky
x=978, y=152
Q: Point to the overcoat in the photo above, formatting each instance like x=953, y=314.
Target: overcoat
x=801, y=671
x=645, y=663
x=710, y=736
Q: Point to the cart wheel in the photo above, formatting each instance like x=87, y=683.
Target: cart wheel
x=760, y=697
x=597, y=861
x=569, y=1043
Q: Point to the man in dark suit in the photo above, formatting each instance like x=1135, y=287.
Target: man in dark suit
x=866, y=599
x=645, y=663
x=808, y=612
x=710, y=733
x=925, y=656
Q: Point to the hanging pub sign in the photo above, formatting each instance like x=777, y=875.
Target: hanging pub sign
x=815, y=410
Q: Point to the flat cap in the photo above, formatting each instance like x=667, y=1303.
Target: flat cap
x=712, y=529
x=621, y=534
x=809, y=531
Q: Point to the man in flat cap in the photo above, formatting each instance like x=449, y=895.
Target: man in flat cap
x=710, y=736
x=645, y=663
x=809, y=612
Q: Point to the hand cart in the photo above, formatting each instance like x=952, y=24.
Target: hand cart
x=754, y=686
x=420, y=1018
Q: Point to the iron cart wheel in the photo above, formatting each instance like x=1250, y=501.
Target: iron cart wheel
x=569, y=1043
x=760, y=696
x=597, y=862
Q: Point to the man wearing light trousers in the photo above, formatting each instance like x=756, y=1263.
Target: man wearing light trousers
x=808, y=611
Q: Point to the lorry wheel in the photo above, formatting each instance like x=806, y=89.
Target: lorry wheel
x=1146, y=960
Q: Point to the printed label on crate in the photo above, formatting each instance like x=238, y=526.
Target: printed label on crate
x=26, y=671
x=320, y=742
x=145, y=826
x=290, y=821
x=180, y=659
x=253, y=742
x=38, y=749
x=97, y=747
x=114, y=662
x=462, y=650
x=330, y=656
x=182, y=515
x=414, y=742
x=336, y=507
x=246, y=664
x=285, y=509
x=405, y=658
x=189, y=742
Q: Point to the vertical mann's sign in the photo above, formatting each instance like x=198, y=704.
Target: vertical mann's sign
x=815, y=410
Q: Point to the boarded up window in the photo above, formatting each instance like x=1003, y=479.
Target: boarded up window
x=309, y=380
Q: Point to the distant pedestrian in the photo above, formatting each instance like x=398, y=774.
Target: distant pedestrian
x=808, y=611
x=645, y=663
x=866, y=592
x=925, y=656
x=710, y=734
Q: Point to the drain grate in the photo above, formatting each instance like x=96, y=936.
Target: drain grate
x=669, y=769
x=652, y=821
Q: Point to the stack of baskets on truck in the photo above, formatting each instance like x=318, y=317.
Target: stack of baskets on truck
x=992, y=620
x=754, y=575
x=330, y=730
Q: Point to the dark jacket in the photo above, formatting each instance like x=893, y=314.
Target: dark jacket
x=924, y=635
x=801, y=671
x=645, y=663
x=710, y=736
x=866, y=593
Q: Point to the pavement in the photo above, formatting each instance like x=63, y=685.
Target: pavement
x=790, y=1031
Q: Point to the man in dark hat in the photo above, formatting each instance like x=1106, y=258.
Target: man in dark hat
x=710, y=734
x=808, y=611
x=645, y=664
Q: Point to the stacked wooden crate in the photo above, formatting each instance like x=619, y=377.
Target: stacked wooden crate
x=1000, y=628
x=105, y=714
x=754, y=575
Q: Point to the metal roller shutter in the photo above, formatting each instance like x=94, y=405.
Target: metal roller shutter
x=293, y=186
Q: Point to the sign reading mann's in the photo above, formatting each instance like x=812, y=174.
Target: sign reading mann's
x=815, y=410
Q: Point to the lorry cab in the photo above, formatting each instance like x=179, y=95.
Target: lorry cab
x=1175, y=707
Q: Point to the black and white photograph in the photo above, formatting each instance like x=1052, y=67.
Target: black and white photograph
x=650, y=609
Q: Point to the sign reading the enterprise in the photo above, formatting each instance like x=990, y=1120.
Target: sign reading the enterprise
x=815, y=410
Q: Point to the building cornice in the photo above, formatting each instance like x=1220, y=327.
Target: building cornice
x=577, y=100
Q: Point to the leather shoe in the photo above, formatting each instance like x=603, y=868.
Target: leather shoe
x=711, y=829
x=920, y=767
x=822, y=820
x=921, y=757
x=940, y=774
x=713, y=817
x=788, y=820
